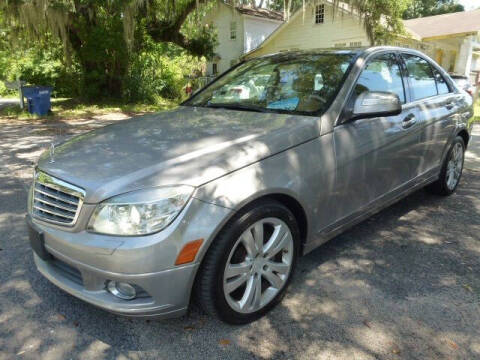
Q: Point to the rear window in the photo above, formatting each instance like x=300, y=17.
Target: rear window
x=461, y=82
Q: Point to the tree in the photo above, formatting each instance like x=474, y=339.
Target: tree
x=422, y=8
x=287, y=6
x=100, y=33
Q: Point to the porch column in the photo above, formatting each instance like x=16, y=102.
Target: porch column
x=463, y=61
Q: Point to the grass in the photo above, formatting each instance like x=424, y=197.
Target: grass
x=69, y=109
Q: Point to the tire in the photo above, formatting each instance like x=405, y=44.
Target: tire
x=232, y=251
x=453, y=162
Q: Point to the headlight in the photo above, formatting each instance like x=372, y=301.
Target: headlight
x=139, y=212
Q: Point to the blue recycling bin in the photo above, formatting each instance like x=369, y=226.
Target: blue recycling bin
x=38, y=99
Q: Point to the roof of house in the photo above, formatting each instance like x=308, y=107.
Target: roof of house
x=446, y=24
x=260, y=12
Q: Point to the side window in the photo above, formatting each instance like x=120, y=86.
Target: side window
x=420, y=76
x=442, y=85
x=382, y=74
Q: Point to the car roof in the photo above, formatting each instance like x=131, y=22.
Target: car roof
x=340, y=51
x=296, y=53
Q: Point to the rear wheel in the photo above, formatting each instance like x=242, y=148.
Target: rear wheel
x=248, y=267
x=451, y=170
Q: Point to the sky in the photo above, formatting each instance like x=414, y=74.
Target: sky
x=470, y=4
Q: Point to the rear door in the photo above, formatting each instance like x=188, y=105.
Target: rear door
x=375, y=156
x=434, y=105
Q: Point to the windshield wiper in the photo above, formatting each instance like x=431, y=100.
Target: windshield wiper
x=230, y=106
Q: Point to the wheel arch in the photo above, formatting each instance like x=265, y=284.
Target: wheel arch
x=464, y=135
x=288, y=200
x=294, y=206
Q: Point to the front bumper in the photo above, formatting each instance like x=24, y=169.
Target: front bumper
x=164, y=300
x=82, y=263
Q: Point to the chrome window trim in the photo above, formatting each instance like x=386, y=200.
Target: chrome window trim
x=45, y=179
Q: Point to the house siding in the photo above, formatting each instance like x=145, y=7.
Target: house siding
x=228, y=50
x=251, y=32
x=256, y=31
x=303, y=33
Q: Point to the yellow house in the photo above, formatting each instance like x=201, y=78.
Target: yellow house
x=315, y=27
x=453, y=40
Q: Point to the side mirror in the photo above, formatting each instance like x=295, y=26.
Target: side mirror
x=376, y=103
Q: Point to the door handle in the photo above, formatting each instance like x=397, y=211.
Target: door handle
x=450, y=106
x=409, y=121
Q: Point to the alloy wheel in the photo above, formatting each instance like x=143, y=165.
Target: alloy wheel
x=258, y=265
x=454, y=166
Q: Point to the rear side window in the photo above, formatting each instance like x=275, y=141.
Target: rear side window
x=442, y=85
x=382, y=74
x=420, y=75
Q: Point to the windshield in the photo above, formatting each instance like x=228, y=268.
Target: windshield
x=305, y=84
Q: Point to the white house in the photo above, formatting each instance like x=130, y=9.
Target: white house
x=240, y=29
x=453, y=40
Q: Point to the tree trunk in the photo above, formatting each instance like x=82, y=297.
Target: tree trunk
x=103, y=74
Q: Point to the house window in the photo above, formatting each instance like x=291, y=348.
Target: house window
x=233, y=30
x=355, y=43
x=339, y=45
x=319, y=13
x=214, y=69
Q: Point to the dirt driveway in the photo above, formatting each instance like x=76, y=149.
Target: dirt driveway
x=404, y=284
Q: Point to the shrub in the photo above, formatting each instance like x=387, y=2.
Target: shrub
x=40, y=66
x=155, y=70
x=159, y=70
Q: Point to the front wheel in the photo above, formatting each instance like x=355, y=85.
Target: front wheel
x=451, y=170
x=246, y=271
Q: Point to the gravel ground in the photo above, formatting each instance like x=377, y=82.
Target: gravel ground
x=402, y=285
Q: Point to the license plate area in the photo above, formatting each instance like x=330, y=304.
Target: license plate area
x=37, y=241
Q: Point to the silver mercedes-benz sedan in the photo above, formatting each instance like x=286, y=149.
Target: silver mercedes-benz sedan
x=217, y=199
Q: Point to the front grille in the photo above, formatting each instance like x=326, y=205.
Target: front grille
x=56, y=201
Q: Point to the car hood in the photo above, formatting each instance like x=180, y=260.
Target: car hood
x=188, y=145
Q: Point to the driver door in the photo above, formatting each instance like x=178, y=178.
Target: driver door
x=375, y=156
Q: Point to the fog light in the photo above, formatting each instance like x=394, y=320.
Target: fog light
x=122, y=290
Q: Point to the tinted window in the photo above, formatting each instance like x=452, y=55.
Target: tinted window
x=303, y=84
x=382, y=74
x=442, y=85
x=421, y=77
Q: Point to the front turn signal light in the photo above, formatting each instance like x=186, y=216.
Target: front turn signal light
x=189, y=252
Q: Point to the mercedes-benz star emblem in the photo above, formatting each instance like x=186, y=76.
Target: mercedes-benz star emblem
x=52, y=152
